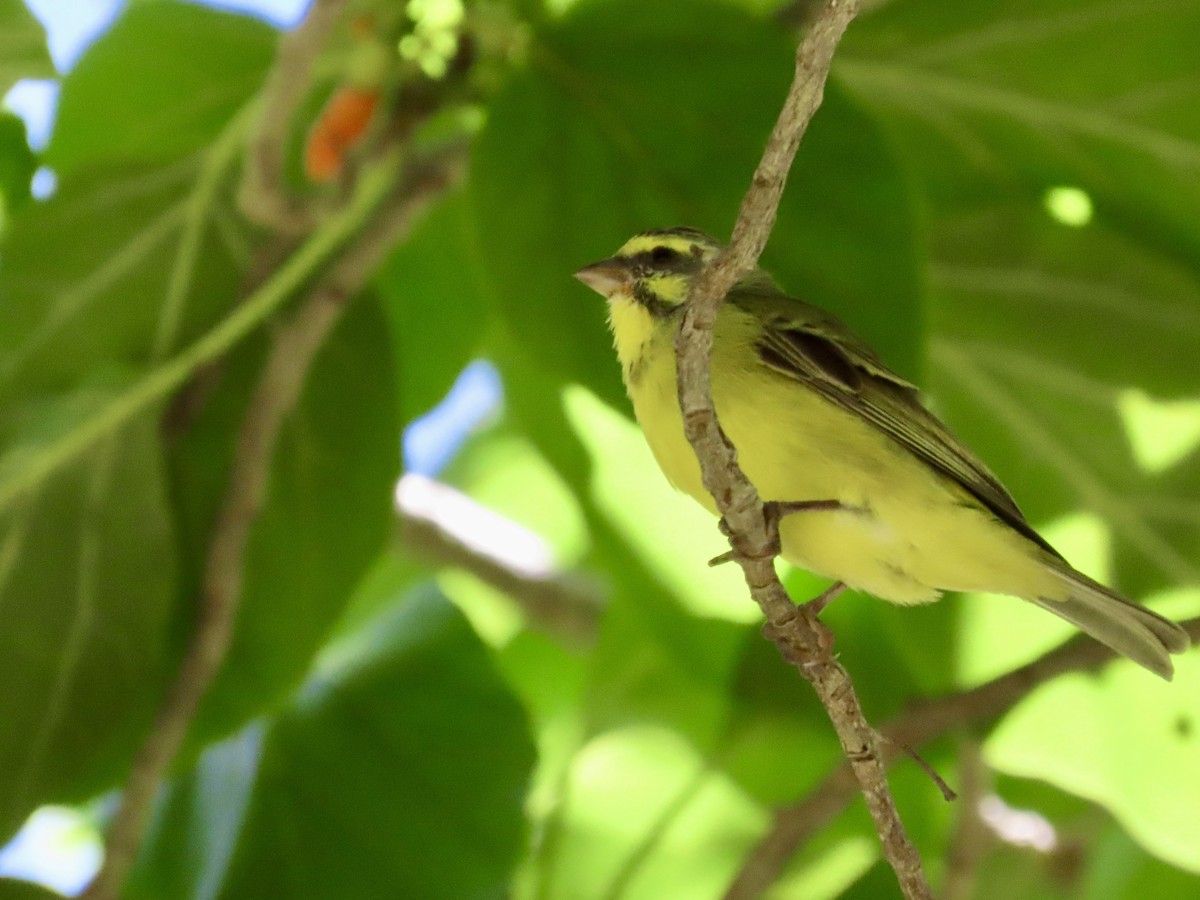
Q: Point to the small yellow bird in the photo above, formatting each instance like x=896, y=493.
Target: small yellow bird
x=817, y=416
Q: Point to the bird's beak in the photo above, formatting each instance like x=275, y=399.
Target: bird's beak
x=607, y=277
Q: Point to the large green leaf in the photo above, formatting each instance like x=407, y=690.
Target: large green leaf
x=430, y=291
x=13, y=889
x=157, y=86
x=1122, y=739
x=86, y=584
x=23, y=51
x=145, y=254
x=17, y=165
x=101, y=302
x=326, y=517
x=197, y=821
x=399, y=771
x=1023, y=95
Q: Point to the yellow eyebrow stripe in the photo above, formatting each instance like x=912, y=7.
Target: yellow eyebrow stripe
x=645, y=242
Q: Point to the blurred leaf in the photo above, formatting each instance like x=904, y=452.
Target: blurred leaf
x=17, y=165
x=157, y=86
x=834, y=869
x=197, y=822
x=14, y=889
x=1123, y=739
x=1026, y=96
x=23, y=50
x=655, y=663
x=430, y=291
x=100, y=301
x=779, y=743
x=1119, y=868
x=87, y=576
x=327, y=514
x=878, y=883
x=399, y=770
x=642, y=790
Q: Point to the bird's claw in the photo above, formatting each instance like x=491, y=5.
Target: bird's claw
x=773, y=512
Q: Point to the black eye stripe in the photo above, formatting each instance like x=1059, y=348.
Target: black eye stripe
x=663, y=259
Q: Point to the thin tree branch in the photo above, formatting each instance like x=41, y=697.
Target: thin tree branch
x=295, y=345
x=973, y=839
x=565, y=605
x=262, y=195
x=796, y=824
x=799, y=634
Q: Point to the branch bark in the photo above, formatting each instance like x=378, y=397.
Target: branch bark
x=559, y=603
x=801, y=637
x=972, y=840
x=796, y=824
x=262, y=194
x=294, y=346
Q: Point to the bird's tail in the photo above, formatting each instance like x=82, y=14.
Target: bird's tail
x=1133, y=631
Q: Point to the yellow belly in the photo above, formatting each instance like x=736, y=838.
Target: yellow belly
x=905, y=534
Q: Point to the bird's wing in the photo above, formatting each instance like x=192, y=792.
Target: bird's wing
x=817, y=350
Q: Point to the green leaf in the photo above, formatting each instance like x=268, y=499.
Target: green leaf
x=101, y=301
x=635, y=792
x=847, y=237
x=400, y=769
x=87, y=577
x=1026, y=96
x=17, y=165
x=779, y=742
x=1123, y=739
x=1120, y=868
x=157, y=86
x=197, y=821
x=13, y=889
x=327, y=513
x=23, y=50
x=430, y=291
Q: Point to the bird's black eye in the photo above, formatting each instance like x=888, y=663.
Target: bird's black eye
x=661, y=255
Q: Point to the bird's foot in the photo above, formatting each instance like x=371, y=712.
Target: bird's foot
x=774, y=511
x=781, y=508
x=818, y=603
x=739, y=547
x=814, y=608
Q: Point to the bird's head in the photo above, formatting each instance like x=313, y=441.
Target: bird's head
x=653, y=270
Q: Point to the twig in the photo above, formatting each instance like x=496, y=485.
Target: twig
x=262, y=195
x=295, y=344
x=565, y=606
x=801, y=637
x=948, y=793
x=796, y=824
x=972, y=837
